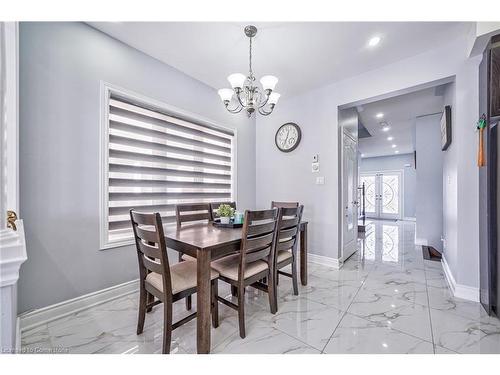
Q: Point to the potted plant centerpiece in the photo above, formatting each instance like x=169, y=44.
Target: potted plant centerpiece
x=225, y=213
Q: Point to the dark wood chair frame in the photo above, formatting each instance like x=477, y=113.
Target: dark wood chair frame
x=287, y=239
x=215, y=205
x=275, y=204
x=278, y=204
x=152, y=257
x=201, y=211
x=257, y=242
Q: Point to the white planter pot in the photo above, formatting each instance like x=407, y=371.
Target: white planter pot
x=224, y=220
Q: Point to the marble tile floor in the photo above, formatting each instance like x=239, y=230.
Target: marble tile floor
x=385, y=299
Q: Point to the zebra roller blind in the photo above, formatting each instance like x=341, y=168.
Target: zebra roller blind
x=156, y=161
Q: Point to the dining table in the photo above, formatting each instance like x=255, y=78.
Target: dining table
x=207, y=242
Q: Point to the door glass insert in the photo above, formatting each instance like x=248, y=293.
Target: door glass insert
x=370, y=193
x=390, y=194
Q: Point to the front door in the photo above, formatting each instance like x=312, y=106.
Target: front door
x=350, y=194
x=383, y=194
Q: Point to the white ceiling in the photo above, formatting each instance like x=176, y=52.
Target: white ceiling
x=302, y=55
x=400, y=113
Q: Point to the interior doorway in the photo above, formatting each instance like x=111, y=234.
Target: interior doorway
x=390, y=135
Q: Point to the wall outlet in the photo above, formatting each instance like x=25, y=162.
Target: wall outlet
x=315, y=167
x=320, y=180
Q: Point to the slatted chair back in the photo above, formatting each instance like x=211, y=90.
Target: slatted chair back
x=190, y=212
x=215, y=205
x=151, y=247
x=288, y=229
x=275, y=204
x=258, y=235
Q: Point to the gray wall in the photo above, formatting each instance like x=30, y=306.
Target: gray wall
x=61, y=66
x=429, y=195
x=450, y=188
x=397, y=162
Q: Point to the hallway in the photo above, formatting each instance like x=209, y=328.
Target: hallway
x=385, y=299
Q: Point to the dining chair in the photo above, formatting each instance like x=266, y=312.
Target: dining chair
x=286, y=243
x=275, y=204
x=254, y=261
x=192, y=212
x=157, y=278
x=215, y=205
x=189, y=213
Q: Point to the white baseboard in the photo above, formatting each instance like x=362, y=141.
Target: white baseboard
x=409, y=218
x=325, y=261
x=421, y=242
x=459, y=290
x=47, y=314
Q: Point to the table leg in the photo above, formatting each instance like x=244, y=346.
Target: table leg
x=203, y=302
x=303, y=255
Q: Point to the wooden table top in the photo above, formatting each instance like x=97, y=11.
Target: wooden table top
x=204, y=236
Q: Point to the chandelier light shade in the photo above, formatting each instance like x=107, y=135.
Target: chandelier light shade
x=246, y=93
x=226, y=94
x=237, y=80
x=268, y=82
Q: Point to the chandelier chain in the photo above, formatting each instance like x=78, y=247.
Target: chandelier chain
x=250, y=60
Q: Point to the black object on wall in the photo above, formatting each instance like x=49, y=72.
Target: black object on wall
x=489, y=105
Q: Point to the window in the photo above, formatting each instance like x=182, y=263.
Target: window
x=154, y=159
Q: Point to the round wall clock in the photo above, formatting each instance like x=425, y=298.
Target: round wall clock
x=288, y=137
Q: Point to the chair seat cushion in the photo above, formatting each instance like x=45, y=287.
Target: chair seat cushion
x=183, y=277
x=284, y=255
x=187, y=257
x=228, y=267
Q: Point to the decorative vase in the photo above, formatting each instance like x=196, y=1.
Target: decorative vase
x=224, y=220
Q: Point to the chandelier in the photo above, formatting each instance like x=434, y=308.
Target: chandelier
x=248, y=95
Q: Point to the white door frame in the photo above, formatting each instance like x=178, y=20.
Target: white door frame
x=401, y=174
x=12, y=244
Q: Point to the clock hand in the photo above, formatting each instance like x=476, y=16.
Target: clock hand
x=286, y=139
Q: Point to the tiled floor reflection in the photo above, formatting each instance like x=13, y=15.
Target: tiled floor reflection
x=385, y=299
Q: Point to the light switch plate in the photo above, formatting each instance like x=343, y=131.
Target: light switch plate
x=315, y=158
x=315, y=167
x=320, y=180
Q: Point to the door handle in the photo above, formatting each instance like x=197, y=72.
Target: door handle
x=11, y=220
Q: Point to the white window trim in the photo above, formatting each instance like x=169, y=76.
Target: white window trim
x=106, y=90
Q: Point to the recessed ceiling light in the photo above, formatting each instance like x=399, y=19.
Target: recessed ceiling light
x=385, y=128
x=379, y=115
x=396, y=152
x=374, y=41
x=362, y=155
x=390, y=138
x=394, y=146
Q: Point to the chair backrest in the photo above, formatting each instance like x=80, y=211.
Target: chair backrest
x=215, y=205
x=284, y=204
x=257, y=238
x=288, y=229
x=151, y=247
x=189, y=212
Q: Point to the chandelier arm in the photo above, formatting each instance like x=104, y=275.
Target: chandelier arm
x=265, y=102
x=236, y=109
x=239, y=98
x=264, y=113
